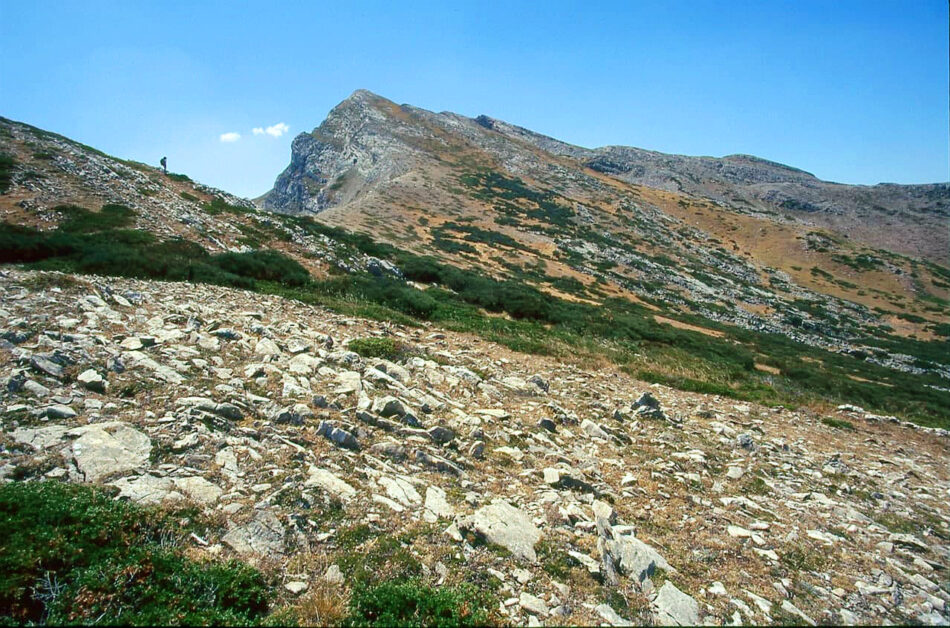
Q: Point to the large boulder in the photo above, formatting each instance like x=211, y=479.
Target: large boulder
x=672, y=607
x=107, y=449
x=503, y=524
x=635, y=558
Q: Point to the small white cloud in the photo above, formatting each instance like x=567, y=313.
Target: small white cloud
x=230, y=137
x=258, y=130
x=277, y=130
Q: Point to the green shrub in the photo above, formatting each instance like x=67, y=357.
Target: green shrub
x=7, y=164
x=90, y=242
x=219, y=205
x=181, y=178
x=71, y=554
x=81, y=220
x=266, y=265
x=411, y=603
x=386, y=348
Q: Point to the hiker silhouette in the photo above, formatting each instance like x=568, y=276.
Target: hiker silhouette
x=164, y=163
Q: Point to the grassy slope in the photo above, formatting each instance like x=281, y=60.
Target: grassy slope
x=626, y=333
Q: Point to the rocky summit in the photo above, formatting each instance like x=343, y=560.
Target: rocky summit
x=453, y=368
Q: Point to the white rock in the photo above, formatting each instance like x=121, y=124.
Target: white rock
x=436, y=503
x=503, y=524
x=532, y=604
x=106, y=449
x=675, y=608
x=330, y=483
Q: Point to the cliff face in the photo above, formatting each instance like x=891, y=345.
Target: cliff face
x=352, y=151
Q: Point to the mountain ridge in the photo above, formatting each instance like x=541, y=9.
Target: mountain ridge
x=902, y=218
x=480, y=377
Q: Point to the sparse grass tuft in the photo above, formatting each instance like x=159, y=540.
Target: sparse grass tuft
x=839, y=424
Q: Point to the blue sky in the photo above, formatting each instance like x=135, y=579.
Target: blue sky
x=855, y=92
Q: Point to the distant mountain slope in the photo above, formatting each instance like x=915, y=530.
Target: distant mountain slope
x=367, y=141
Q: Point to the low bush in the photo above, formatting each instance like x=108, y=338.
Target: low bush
x=414, y=604
x=81, y=220
x=93, y=242
x=386, y=348
x=7, y=164
x=71, y=554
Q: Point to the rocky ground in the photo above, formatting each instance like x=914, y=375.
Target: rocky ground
x=574, y=492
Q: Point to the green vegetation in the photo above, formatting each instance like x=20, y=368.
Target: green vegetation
x=839, y=424
x=531, y=321
x=95, y=242
x=512, y=197
x=71, y=554
x=81, y=220
x=861, y=263
x=475, y=234
x=800, y=558
x=7, y=163
x=181, y=178
x=414, y=604
x=220, y=206
x=386, y=348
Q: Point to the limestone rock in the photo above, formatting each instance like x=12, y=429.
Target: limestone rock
x=92, y=380
x=330, y=483
x=675, y=608
x=263, y=535
x=106, y=449
x=507, y=526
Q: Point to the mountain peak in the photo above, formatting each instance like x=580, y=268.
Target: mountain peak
x=364, y=96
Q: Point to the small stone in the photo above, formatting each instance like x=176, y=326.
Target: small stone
x=441, y=435
x=738, y=532
x=388, y=407
x=267, y=347
x=91, y=380
x=333, y=575
x=296, y=587
x=532, y=604
x=523, y=576
x=46, y=366
x=745, y=442
x=594, y=430
x=60, y=412
x=609, y=615
x=734, y=473
x=717, y=588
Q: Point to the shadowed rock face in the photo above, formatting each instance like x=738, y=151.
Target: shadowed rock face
x=366, y=142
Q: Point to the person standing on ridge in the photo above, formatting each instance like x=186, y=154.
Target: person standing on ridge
x=164, y=163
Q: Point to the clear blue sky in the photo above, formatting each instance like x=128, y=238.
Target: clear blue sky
x=855, y=92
